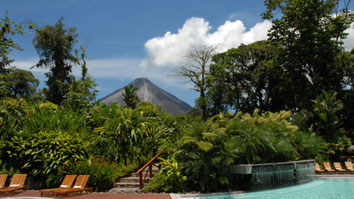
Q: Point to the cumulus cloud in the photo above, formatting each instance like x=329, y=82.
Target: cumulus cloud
x=172, y=48
x=349, y=41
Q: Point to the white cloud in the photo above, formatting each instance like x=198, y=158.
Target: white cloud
x=26, y=64
x=173, y=47
x=349, y=41
x=170, y=49
x=120, y=68
x=116, y=68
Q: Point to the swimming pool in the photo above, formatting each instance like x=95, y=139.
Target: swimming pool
x=325, y=188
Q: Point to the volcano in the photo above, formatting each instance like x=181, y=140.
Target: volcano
x=149, y=92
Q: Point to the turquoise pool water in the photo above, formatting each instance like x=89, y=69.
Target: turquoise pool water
x=341, y=188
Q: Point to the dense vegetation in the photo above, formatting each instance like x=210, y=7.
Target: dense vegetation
x=287, y=98
x=48, y=141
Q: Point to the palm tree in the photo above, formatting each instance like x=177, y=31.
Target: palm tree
x=129, y=96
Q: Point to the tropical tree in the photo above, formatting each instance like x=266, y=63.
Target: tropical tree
x=55, y=46
x=244, y=79
x=19, y=83
x=8, y=28
x=196, y=71
x=81, y=92
x=310, y=35
x=129, y=96
x=328, y=123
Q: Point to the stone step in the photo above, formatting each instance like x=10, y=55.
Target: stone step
x=136, y=175
x=131, y=183
x=124, y=190
x=129, y=179
x=133, y=179
x=127, y=184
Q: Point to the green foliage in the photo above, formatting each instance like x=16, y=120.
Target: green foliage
x=168, y=179
x=49, y=117
x=196, y=71
x=19, y=83
x=308, y=145
x=327, y=108
x=125, y=133
x=8, y=28
x=12, y=116
x=130, y=98
x=42, y=154
x=209, y=148
x=311, y=39
x=4, y=170
x=54, y=45
x=103, y=173
x=204, y=154
x=82, y=93
x=244, y=79
x=39, y=138
x=263, y=138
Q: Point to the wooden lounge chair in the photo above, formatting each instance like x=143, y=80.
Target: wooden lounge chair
x=318, y=169
x=79, y=186
x=349, y=166
x=2, y=180
x=328, y=167
x=65, y=184
x=338, y=167
x=17, y=183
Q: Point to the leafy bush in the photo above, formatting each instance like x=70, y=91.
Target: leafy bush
x=168, y=179
x=43, y=154
x=12, y=116
x=126, y=134
x=263, y=138
x=327, y=124
x=49, y=117
x=4, y=170
x=103, y=173
x=205, y=154
x=209, y=148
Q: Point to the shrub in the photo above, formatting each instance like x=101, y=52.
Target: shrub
x=205, y=155
x=48, y=117
x=168, y=179
x=13, y=113
x=209, y=148
x=103, y=173
x=263, y=138
x=126, y=134
x=42, y=154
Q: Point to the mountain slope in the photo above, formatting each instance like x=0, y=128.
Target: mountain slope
x=149, y=92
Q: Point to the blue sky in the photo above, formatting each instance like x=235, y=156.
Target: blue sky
x=140, y=38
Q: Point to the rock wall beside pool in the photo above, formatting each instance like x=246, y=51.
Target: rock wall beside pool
x=270, y=175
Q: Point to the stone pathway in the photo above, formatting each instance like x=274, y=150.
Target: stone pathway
x=131, y=183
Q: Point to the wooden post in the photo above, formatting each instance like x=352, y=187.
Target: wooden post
x=150, y=169
x=141, y=180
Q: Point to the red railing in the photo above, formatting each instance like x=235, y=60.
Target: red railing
x=140, y=172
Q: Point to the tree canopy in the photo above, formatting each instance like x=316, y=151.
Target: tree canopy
x=55, y=46
x=8, y=28
x=196, y=70
x=19, y=83
x=244, y=78
x=310, y=35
